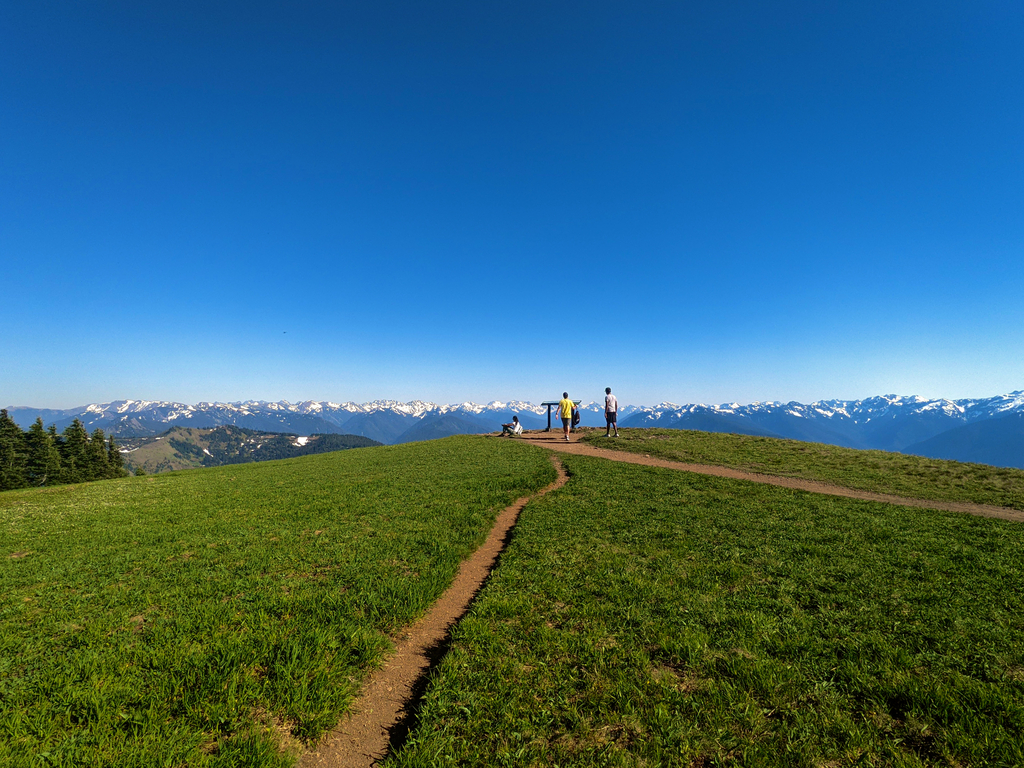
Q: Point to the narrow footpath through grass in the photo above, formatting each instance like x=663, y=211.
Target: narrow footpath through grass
x=643, y=616
x=386, y=706
x=207, y=617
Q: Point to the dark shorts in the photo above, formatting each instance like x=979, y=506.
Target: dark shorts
x=610, y=417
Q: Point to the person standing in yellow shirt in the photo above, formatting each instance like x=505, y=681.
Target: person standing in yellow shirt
x=565, y=408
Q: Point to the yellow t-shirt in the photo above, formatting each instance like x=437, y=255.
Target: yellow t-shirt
x=565, y=408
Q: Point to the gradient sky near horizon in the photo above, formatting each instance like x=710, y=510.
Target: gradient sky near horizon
x=689, y=202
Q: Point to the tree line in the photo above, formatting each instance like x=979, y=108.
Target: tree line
x=41, y=456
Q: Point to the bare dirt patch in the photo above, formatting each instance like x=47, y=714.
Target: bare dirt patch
x=382, y=713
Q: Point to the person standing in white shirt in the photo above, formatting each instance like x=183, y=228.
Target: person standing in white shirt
x=611, y=410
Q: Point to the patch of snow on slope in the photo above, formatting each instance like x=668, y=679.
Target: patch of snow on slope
x=1014, y=401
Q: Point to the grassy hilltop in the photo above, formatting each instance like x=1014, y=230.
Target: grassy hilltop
x=191, y=618
x=640, y=616
x=878, y=471
x=643, y=616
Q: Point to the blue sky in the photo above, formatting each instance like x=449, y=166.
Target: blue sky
x=689, y=202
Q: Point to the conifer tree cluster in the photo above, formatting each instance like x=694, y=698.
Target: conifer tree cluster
x=41, y=456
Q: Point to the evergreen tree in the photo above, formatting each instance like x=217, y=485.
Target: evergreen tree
x=97, y=452
x=115, y=461
x=12, y=453
x=42, y=460
x=58, y=443
x=75, y=454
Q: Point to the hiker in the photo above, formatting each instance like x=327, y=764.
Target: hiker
x=513, y=428
x=611, y=411
x=565, y=410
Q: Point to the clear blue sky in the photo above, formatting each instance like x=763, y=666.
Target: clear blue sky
x=692, y=202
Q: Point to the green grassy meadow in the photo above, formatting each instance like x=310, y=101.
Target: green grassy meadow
x=649, y=617
x=640, y=616
x=878, y=471
x=216, y=617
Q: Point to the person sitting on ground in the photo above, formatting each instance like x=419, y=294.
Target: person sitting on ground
x=513, y=428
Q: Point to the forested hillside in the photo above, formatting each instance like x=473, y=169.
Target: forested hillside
x=186, y=447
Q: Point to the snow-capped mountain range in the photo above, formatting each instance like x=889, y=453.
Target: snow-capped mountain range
x=857, y=411
x=887, y=421
x=989, y=430
x=387, y=421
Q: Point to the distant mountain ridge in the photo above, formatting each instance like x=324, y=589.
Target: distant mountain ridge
x=386, y=421
x=188, y=447
x=908, y=424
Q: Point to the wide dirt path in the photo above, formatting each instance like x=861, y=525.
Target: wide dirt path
x=556, y=442
x=383, y=708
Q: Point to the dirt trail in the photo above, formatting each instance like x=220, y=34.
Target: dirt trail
x=382, y=711
x=556, y=442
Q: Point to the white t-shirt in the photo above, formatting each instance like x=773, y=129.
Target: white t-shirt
x=518, y=428
x=611, y=405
